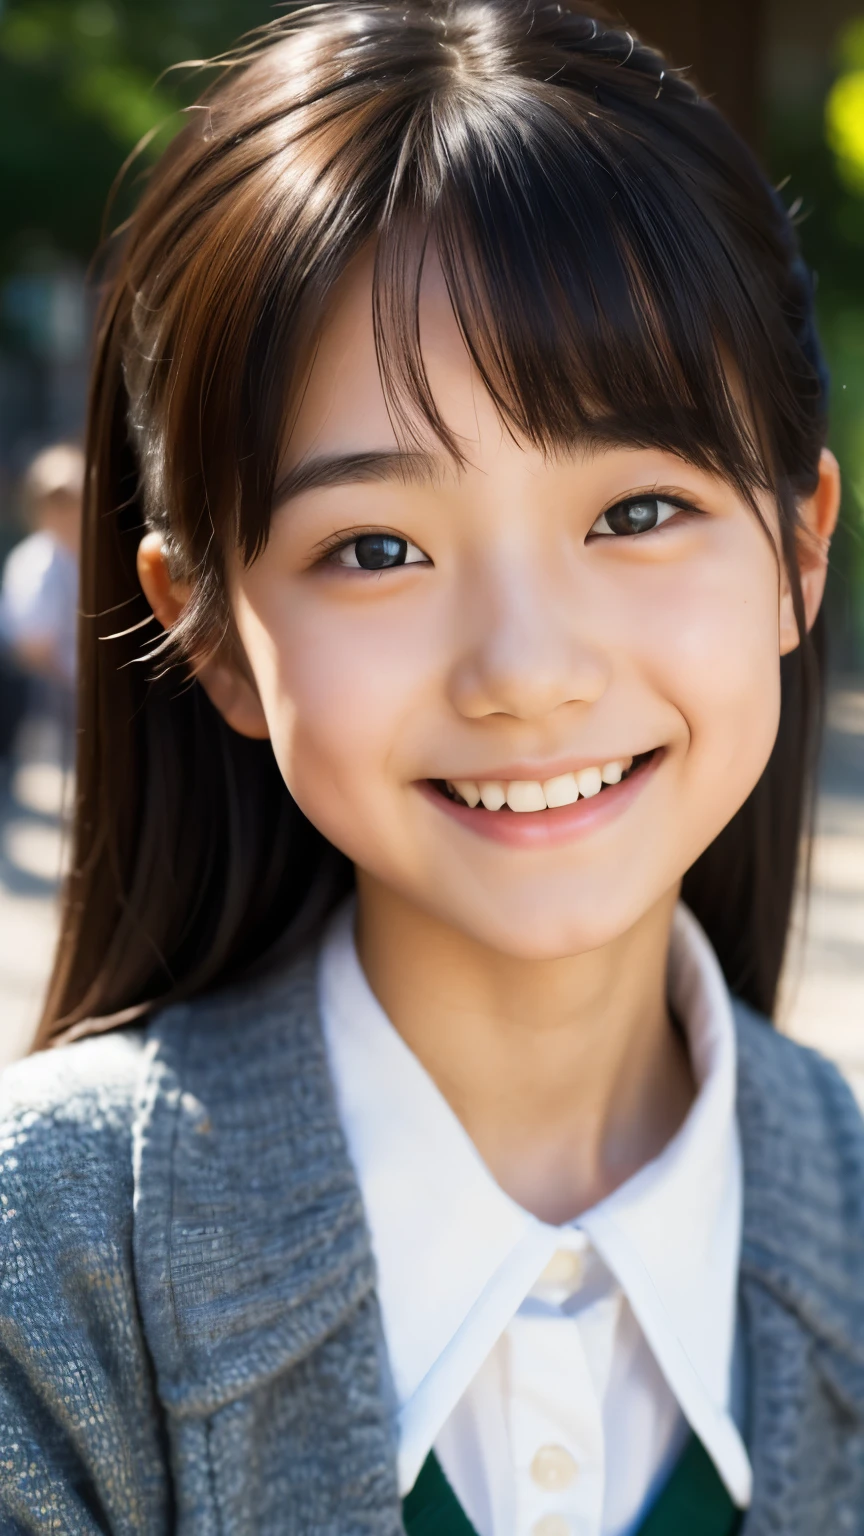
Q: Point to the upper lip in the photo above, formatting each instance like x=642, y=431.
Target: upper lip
x=540, y=772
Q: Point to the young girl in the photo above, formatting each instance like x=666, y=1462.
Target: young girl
x=457, y=523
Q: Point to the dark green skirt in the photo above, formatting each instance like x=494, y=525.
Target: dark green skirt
x=694, y=1502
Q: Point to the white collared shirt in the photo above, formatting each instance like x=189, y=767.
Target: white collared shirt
x=555, y=1369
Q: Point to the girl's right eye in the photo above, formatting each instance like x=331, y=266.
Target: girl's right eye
x=376, y=552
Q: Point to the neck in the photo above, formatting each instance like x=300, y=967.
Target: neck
x=567, y=1074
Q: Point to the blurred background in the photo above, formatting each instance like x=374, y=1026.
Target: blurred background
x=81, y=83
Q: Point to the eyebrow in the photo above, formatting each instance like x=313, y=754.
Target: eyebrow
x=406, y=467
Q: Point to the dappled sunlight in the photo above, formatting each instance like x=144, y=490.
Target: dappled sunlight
x=34, y=801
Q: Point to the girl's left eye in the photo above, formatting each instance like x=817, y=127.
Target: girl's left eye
x=639, y=514
x=377, y=552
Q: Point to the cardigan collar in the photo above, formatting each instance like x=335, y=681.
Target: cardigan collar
x=250, y=1239
x=251, y=1245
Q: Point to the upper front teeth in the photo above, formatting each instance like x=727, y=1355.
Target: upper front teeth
x=531, y=795
x=524, y=795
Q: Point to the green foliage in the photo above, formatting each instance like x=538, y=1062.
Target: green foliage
x=844, y=121
x=837, y=248
x=80, y=85
x=816, y=150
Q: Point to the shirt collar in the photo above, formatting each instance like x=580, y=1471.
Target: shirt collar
x=454, y=1250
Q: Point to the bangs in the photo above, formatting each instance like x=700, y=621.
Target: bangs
x=595, y=294
x=616, y=263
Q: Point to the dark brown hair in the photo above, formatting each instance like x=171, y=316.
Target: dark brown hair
x=618, y=266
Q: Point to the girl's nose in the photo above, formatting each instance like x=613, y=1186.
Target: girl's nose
x=524, y=653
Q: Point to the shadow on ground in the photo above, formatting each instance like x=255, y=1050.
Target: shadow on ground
x=35, y=793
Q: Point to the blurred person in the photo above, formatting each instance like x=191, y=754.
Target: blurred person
x=39, y=589
x=457, y=521
x=39, y=600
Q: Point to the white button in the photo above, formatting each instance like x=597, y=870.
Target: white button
x=553, y=1467
x=552, y=1525
x=564, y=1268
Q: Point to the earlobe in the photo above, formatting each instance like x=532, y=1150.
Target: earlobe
x=235, y=697
x=225, y=683
x=819, y=519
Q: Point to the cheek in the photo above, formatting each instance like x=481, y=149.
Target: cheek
x=341, y=693
x=716, y=655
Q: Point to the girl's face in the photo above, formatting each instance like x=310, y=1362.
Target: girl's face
x=518, y=621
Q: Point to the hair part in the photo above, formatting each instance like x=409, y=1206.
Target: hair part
x=619, y=269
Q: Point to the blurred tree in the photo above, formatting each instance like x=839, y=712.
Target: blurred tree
x=80, y=84
x=816, y=153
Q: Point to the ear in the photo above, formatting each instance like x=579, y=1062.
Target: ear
x=819, y=519
x=228, y=687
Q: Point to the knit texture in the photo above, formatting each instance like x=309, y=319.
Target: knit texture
x=190, y=1339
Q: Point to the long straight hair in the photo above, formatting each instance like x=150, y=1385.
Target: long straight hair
x=618, y=267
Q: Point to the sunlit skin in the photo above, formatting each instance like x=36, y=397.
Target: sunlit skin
x=518, y=642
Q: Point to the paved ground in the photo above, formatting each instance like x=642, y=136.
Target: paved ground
x=824, y=984
x=32, y=798
x=823, y=1000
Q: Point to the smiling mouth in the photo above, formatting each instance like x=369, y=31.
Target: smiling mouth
x=527, y=796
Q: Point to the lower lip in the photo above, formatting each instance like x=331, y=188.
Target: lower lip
x=543, y=829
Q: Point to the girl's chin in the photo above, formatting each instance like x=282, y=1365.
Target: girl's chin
x=540, y=921
x=527, y=941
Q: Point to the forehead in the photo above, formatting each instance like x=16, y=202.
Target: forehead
x=343, y=405
x=343, y=411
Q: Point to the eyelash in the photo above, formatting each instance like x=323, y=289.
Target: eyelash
x=659, y=499
x=339, y=543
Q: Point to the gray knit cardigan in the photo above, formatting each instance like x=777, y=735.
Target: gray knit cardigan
x=190, y=1339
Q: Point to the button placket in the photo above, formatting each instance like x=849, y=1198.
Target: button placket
x=556, y=1429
